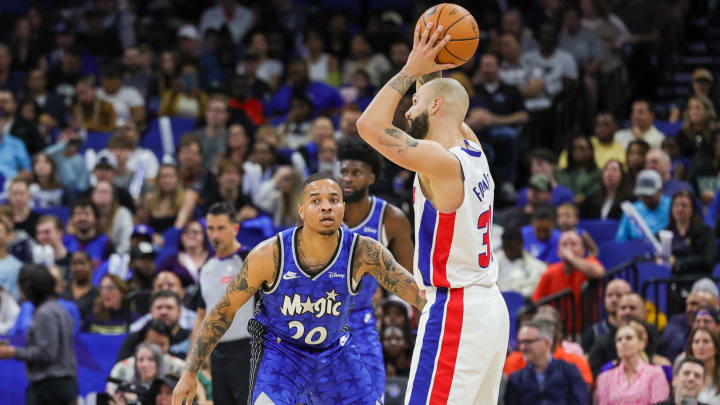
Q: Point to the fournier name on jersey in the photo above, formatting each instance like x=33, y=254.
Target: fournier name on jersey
x=482, y=186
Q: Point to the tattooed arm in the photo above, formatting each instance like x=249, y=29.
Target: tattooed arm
x=258, y=269
x=373, y=258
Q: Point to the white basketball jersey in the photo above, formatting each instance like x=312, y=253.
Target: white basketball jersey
x=453, y=249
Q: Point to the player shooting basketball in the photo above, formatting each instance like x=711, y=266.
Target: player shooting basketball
x=463, y=333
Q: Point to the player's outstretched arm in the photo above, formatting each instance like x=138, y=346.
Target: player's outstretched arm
x=373, y=258
x=259, y=268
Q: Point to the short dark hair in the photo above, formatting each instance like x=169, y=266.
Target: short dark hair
x=166, y=294
x=223, y=208
x=512, y=234
x=36, y=283
x=543, y=211
x=690, y=359
x=112, y=71
x=189, y=139
x=316, y=177
x=84, y=202
x=640, y=142
x=354, y=148
x=51, y=218
x=157, y=326
x=544, y=154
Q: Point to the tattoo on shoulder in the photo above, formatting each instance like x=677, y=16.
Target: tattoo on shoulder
x=430, y=76
x=401, y=83
x=239, y=282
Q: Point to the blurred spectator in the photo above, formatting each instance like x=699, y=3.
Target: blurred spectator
x=496, y=114
x=148, y=366
x=694, y=248
x=170, y=205
x=359, y=90
x=48, y=353
x=363, y=57
x=255, y=86
x=704, y=345
x=397, y=352
x=90, y=111
x=53, y=112
x=9, y=310
x=118, y=21
x=80, y=289
x=23, y=122
x=192, y=174
x=540, y=238
x=214, y=134
x=704, y=293
x=185, y=98
x=228, y=13
x=84, y=234
x=111, y=313
x=348, y=122
x=20, y=244
x=687, y=382
x=265, y=154
x=243, y=100
x=135, y=75
x=19, y=199
x=614, y=190
x=512, y=24
x=634, y=381
x=268, y=70
x=114, y=220
x=45, y=189
x=699, y=123
x=515, y=69
x=10, y=79
x=136, y=158
x=518, y=270
x=63, y=78
x=704, y=170
x=10, y=265
x=635, y=159
x=191, y=53
x=229, y=190
x=237, y=149
x=585, y=47
x=49, y=233
x=702, y=81
x=128, y=103
x=104, y=170
x=96, y=39
x=327, y=157
x=166, y=75
x=545, y=377
x=653, y=207
x=295, y=128
x=322, y=128
x=544, y=161
x=167, y=280
x=680, y=164
x=614, y=291
x=707, y=317
x=72, y=170
x=581, y=176
x=395, y=312
x=142, y=266
x=279, y=196
x=323, y=67
x=603, y=143
x=659, y=161
x=538, y=192
x=13, y=153
x=641, y=126
x=326, y=99
x=568, y=217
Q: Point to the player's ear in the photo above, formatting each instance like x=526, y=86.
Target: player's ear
x=435, y=106
x=372, y=178
x=301, y=213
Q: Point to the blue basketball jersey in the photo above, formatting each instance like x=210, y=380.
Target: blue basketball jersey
x=310, y=311
x=372, y=228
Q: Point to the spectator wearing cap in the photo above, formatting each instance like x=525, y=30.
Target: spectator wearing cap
x=14, y=156
x=544, y=161
x=128, y=103
x=237, y=18
x=694, y=247
x=518, y=270
x=104, y=170
x=642, y=127
x=49, y=235
x=702, y=81
x=538, y=192
x=90, y=111
x=540, y=238
x=653, y=207
x=115, y=220
x=704, y=293
x=71, y=168
x=141, y=233
x=193, y=253
x=185, y=98
x=166, y=280
x=142, y=266
x=688, y=380
x=659, y=160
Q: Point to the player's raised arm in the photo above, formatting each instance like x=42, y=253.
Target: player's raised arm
x=375, y=124
x=373, y=258
x=259, y=268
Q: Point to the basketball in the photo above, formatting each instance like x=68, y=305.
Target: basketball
x=460, y=25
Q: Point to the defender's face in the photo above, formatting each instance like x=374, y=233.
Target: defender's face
x=322, y=208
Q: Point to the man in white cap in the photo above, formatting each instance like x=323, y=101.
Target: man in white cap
x=653, y=207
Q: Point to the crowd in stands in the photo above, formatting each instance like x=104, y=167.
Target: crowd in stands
x=122, y=122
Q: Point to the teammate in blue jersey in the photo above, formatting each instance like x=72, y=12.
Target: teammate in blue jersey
x=307, y=279
x=367, y=215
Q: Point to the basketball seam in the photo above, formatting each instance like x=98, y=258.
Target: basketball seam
x=465, y=39
x=437, y=20
x=453, y=55
x=456, y=21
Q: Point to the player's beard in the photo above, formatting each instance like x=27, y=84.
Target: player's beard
x=355, y=196
x=419, y=126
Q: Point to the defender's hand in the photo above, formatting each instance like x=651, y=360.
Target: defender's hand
x=185, y=388
x=422, y=57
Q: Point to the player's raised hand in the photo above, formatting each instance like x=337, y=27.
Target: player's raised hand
x=185, y=388
x=425, y=49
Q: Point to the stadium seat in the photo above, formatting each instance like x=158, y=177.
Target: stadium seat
x=96, y=141
x=651, y=270
x=716, y=271
x=601, y=230
x=61, y=212
x=153, y=138
x=514, y=301
x=667, y=128
x=613, y=253
x=171, y=237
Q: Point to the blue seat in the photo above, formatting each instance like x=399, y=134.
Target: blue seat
x=613, y=253
x=651, y=270
x=61, y=212
x=601, y=230
x=716, y=271
x=153, y=140
x=667, y=128
x=171, y=237
x=96, y=141
x=514, y=301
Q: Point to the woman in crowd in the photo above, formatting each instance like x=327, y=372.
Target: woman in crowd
x=581, y=175
x=322, y=67
x=280, y=195
x=80, y=289
x=27, y=128
x=49, y=352
x=114, y=220
x=704, y=344
x=397, y=351
x=363, y=58
x=699, y=123
x=613, y=191
x=45, y=189
x=111, y=313
x=166, y=75
x=186, y=99
x=634, y=381
x=193, y=252
x=694, y=247
x=148, y=365
x=170, y=204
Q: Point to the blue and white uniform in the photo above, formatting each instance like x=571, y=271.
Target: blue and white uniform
x=301, y=343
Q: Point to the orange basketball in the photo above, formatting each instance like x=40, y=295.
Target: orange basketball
x=460, y=25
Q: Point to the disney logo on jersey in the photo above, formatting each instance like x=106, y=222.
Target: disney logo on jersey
x=368, y=229
x=323, y=306
x=336, y=275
